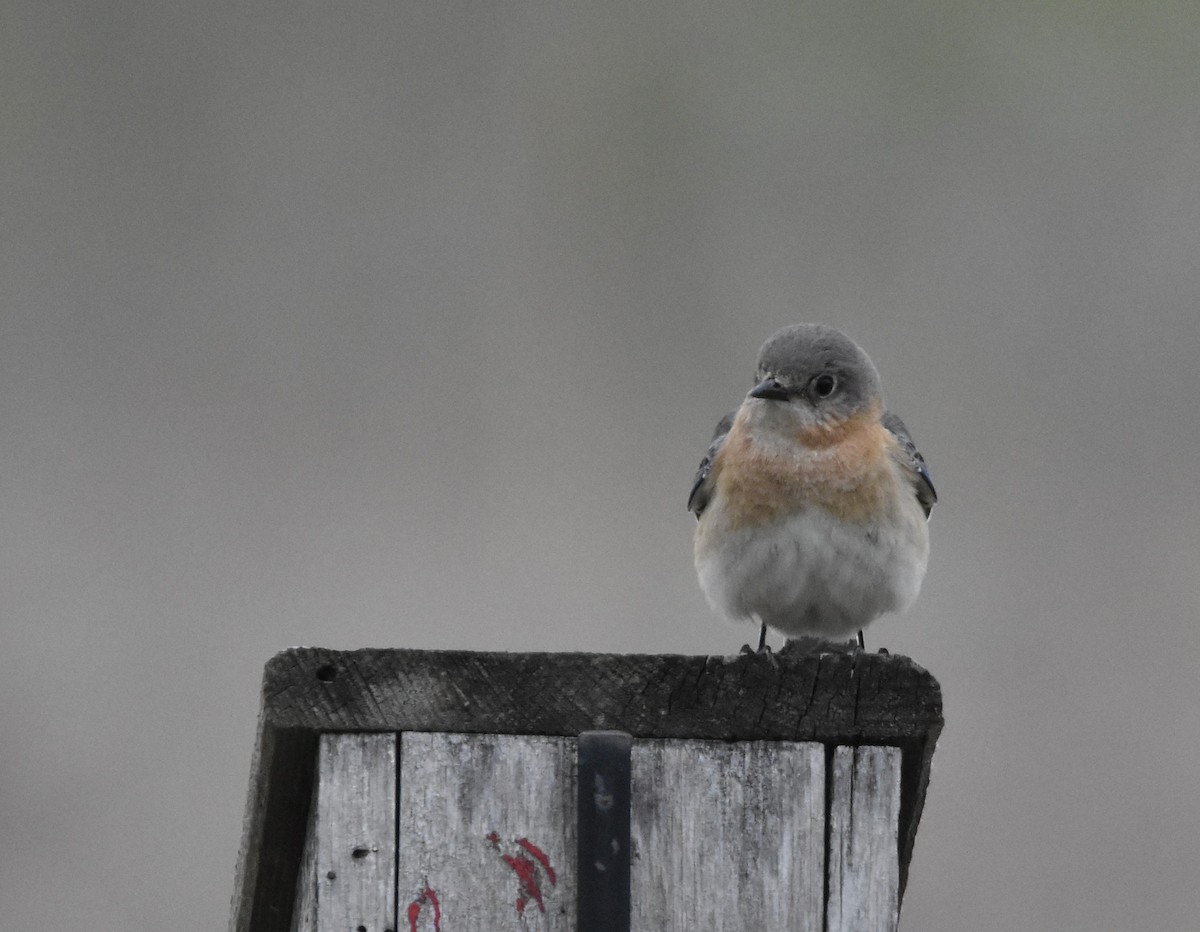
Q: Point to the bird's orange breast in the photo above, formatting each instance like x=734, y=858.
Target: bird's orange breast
x=842, y=468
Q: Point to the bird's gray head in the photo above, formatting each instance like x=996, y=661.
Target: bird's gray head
x=818, y=373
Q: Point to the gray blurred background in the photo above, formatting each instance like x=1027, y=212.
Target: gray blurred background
x=405, y=324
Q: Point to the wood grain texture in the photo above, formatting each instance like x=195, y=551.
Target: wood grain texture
x=355, y=829
x=833, y=698
x=728, y=837
x=864, y=848
x=487, y=826
x=872, y=698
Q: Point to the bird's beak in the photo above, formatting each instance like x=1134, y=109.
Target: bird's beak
x=771, y=389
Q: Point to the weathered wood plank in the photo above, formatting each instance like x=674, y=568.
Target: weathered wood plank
x=487, y=832
x=355, y=828
x=864, y=848
x=865, y=698
x=728, y=837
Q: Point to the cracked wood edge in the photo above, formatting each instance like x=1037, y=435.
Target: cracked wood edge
x=845, y=698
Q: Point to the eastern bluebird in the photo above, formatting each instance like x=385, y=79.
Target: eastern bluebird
x=812, y=500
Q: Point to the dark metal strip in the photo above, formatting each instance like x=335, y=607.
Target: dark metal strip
x=603, y=830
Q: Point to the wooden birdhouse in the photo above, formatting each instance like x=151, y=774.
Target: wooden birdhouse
x=421, y=791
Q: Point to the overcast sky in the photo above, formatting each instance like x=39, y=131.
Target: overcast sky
x=405, y=324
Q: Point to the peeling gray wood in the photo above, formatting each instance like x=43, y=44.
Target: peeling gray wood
x=728, y=837
x=487, y=832
x=864, y=848
x=355, y=828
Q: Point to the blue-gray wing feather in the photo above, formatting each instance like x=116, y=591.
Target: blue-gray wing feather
x=913, y=461
x=701, y=487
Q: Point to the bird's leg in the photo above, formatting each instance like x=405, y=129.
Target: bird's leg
x=763, y=647
x=860, y=648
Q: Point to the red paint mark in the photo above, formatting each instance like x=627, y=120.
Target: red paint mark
x=428, y=896
x=541, y=858
x=526, y=868
x=526, y=872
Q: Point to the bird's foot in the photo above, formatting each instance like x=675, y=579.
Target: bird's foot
x=763, y=646
x=763, y=649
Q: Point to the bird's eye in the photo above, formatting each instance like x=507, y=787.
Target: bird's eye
x=823, y=385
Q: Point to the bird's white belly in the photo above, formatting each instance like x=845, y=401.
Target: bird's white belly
x=811, y=573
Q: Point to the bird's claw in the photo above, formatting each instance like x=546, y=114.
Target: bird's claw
x=763, y=650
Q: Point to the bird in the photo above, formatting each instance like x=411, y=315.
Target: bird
x=812, y=501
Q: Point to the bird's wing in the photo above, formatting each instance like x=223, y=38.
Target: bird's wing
x=912, y=462
x=701, y=487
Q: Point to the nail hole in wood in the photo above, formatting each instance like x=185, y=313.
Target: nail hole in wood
x=358, y=853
